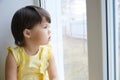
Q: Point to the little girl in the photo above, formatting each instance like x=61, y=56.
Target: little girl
x=32, y=58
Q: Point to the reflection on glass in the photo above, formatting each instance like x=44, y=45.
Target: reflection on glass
x=75, y=39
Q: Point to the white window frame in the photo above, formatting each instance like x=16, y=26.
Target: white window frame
x=97, y=39
x=111, y=40
x=113, y=35
x=117, y=39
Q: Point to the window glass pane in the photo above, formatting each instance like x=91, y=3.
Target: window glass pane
x=74, y=26
x=117, y=32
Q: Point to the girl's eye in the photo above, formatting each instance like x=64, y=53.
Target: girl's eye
x=46, y=27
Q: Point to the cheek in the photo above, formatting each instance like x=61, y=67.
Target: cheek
x=42, y=35
x=41, y=38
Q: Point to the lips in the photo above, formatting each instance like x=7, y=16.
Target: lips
x=49, y=38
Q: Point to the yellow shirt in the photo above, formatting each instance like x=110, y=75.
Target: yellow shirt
x=31, y=67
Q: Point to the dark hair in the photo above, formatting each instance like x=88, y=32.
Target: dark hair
x=26, y=18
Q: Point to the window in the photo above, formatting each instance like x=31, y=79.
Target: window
x=71, y=14
x=113, y=18
x=117, y=17
x=74, y=28
x=96, y=35
x=116, y=27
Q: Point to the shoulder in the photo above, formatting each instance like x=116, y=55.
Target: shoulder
x=47, y=47
x=46, y=51
x=15, y=53
x=12, y=49
x=10, y=58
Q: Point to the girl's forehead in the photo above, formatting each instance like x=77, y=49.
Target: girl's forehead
x=44, y=19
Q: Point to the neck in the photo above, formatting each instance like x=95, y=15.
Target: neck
x=31, y=49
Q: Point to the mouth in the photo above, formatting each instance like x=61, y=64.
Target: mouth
x=49, y=38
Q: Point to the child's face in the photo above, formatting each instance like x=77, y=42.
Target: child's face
x=40, y=33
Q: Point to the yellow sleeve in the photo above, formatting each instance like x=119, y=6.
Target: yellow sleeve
x=49, y=50
x=15, y=53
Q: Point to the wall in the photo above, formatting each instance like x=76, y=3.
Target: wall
x=7, y=9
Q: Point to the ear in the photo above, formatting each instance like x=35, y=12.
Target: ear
x=27, y=33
